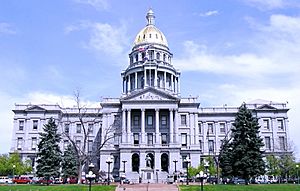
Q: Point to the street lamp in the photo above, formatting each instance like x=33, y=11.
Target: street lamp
x=201, y=176
x=90, y=176
x=187, y=160
x=124, y=161
x=297, y=167
x=175, y=174
x=13, y=174
x=109, y=160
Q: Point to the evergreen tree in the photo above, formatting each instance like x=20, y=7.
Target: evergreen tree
x=242, y=156
x=49, y=154
x=69, y=162
x=225, y=159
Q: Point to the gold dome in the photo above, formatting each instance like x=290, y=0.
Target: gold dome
x=150, y=34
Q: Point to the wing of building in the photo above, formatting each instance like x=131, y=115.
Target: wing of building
x=153, y=125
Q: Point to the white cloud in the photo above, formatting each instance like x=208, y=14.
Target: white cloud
x=209, y=13
x=97, y=4
x=104, y=37
x=6, y=28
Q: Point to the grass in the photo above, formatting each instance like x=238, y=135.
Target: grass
x=258, y=187
x=55, y=188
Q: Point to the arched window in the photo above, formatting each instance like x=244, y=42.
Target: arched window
x=135, y=162
x=149, y=35
x=156, y=36
x=164, y=57
x=165, y=162
x=144, y=36
x=158, y=56
x=137, y=57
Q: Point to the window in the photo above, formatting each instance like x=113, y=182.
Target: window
x=149, y=35
x=67, y=128
x=164, y=58
x=200, y=145
x=136, y=120
x=281, y=143
x=184, y=164
x=183, y=120
x=267, y=143
x=151, y=54
x=211, y=146
x=280, y=124
x=164, y=139
x=116, y=139
x=90, y=127
x=19, y=143
x=157, y=56
x=266, y=123
x=78, y=144
x=222, y=127
x=136, y=138
x=33, y=143
x=78, y=128
x=136, y=57
x=149, y=120
x=21, y=125
x=200, y=128
x=150, y=138
x=164, y=120
x=210, y=128
x=35, y=124
x=183, y=139
x=90, y=146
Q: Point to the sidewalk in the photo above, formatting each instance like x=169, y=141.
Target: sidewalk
x=147, y=187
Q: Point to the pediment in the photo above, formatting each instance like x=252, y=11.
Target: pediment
x=266, y=106
x=150, y=94
x=35, y=108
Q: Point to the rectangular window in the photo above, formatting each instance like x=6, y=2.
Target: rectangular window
x=78, y=144
x=200, y=128
x=282, y=143
x=211, y=146
x=210, y=128
x=33, y=143
x=184, y=164
x=280, y=124
x=150, y=138
x=149, y=120
x=200, y=145
x=116, y=139
x=35, y=124
x=90, y=127
x=136, y=140
x=78, y=128
x=268, y=143
x=21, y=125
x=90, y=146
x=67, y=128
x=222, y=127
x=183, y=139
x=136, y=120
x=19, y=143
x=266, y=123
x=164, y=138
x=164, y=120
x=183, y=120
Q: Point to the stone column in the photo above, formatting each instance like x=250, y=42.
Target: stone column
x=191, y=125
x=155, y=77
x=129, y=126
x=143, y=125
x=145, y=78
x=123, y=126
x=196, y=128
x=178, y=85
x=136, y=81
x=176, y=124
x=129, y=83
x=171, y=126
x=157, y=126
x=165, y=80
x=172, y=83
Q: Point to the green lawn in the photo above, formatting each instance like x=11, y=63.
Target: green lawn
x=55, y=188
x=266, y=187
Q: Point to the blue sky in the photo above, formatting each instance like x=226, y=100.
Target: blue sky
x=228, y=51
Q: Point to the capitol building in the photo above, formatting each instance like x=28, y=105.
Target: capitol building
x=151, y=125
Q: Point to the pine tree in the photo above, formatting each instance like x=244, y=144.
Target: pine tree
x=49, y=154
x=225, y=159
x=242, y=157
x=69, y=162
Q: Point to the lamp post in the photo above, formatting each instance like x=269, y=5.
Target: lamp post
x=108, y=161
x=124, y=161
x=201, y=176
x=90, y=176
x=175, y=173
x=297, y=167
x=13, y=174
x=187, y=160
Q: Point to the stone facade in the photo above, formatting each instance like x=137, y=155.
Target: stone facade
x=151, y=121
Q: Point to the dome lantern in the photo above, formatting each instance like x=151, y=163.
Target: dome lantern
x=150, y=17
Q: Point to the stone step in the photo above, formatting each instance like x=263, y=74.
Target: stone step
x=147, y=187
